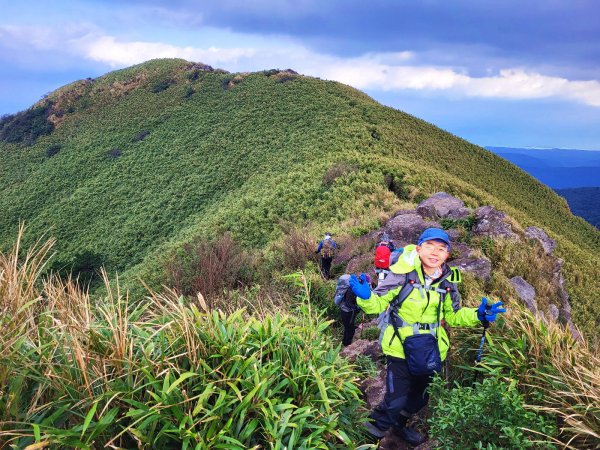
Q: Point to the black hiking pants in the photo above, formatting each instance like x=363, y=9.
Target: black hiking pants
x=348, y=318
x=326, y=266
x=404, y=392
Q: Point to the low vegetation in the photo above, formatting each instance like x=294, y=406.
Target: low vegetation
x=487, y=415
x=164, y=373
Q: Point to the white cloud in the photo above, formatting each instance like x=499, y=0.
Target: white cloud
x=367, y=73
x=108, y=50
x=391, y=71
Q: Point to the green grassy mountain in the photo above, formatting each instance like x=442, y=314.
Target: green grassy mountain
x=125, y=169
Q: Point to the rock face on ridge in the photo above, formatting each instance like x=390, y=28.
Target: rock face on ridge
x=490, y=222
x=526, y=292
x=540, y=235
x=441, y=205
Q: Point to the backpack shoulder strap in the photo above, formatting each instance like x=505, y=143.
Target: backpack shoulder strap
x=449, y=286
x=455, y=275
x=411, y=282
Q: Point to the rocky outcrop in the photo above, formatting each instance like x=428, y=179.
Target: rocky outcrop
x=525, y=292
x=553, y=312
x=540, y=235
x=490, y=222
x=442, y=205
x=406, y=227
x=480, y=267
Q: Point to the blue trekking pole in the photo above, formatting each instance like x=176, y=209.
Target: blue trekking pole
x=486, y=324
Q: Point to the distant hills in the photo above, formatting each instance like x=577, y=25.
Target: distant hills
x=574, y=174
x=584, y=202
x=557, y=168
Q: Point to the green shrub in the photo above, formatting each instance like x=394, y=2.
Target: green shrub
x=26, y=126
x=488, y=415
x=370, y=334
x=366, y=366
x=84, y=266
x=162, y=85
x=140, y=136
x=114, y=153
x=555, y=372
x=395, y=183
x=53, y=150
x=466, y=224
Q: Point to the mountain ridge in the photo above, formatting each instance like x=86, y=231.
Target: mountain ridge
x=143, y=159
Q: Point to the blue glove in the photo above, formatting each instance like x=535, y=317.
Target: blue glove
x=360, y=287
x=487, y=312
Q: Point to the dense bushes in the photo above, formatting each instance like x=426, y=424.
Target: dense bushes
x=556, y=376
x=53, y=150
x=208, y=267
x=487, y=415
x=84, y=266
x=26, y=126
x=140, y=136
x=162, y=85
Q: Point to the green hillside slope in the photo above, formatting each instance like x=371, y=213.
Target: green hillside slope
x=143, y=159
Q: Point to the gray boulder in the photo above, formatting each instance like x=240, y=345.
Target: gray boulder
x=480, y=267
x=540, y=235
x=490, y=222
x=526, y=292
x=406, y=227
x=553, y=312
x=442, y=205
x=460, y=249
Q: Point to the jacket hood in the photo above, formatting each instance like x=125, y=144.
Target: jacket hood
x=408, y=260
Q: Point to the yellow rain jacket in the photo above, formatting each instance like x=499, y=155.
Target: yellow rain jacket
x=418, y=313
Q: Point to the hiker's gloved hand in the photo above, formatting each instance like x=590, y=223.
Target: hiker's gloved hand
x=360, y=286
x=488, y=312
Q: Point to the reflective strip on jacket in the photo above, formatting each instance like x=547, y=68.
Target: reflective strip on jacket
x=419, y=306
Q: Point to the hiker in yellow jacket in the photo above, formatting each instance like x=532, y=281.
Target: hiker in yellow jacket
x=420, y=293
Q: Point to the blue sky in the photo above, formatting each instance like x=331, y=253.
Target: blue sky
x=499, y=73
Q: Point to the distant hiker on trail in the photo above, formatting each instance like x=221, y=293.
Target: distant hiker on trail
x=349, y=309
x=412, y=338
x=383, y=251
x=327, y=249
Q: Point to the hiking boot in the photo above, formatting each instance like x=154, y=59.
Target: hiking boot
x=375, y=432
x=410, y=435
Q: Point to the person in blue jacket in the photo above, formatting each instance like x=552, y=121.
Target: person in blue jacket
x=327, y=249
